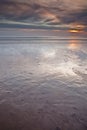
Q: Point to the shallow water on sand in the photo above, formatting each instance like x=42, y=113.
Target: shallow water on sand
x=43, y=85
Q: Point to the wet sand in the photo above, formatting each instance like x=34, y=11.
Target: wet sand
x=43, y=86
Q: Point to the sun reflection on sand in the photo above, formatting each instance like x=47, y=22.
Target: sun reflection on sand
x=74, y=45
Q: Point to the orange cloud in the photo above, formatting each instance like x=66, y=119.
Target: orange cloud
x=47, y=15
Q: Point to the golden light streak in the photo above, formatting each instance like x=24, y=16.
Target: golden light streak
x=74, y=31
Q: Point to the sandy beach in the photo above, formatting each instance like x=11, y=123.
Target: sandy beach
x=43, y=86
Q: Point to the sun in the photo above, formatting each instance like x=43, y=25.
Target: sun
x=74, y=31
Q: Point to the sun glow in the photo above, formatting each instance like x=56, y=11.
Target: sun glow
x=76, y=28
x=74, y=31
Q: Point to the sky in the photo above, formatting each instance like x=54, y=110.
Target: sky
x=44, y=14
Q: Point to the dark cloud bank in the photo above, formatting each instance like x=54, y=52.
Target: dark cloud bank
x=51, y=14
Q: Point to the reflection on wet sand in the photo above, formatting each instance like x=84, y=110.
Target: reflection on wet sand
x=43, y=86
x=74, y=44
x=56, y=60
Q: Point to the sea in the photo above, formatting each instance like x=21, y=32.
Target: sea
x=43, y=83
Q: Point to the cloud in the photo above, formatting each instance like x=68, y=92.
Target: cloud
x=45, y=13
